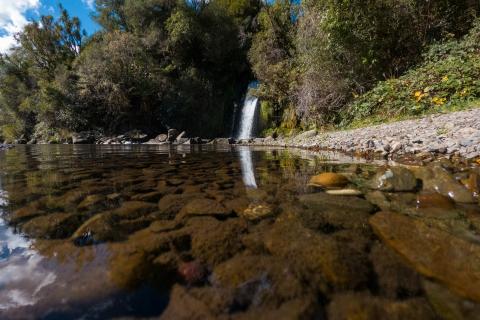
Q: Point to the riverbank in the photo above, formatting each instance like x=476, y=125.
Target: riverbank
x=5, y=146
x=452, y=134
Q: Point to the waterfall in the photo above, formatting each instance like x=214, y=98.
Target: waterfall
x=248, y=117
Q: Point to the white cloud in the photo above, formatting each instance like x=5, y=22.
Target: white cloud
x=12, y=19
x=90, y=3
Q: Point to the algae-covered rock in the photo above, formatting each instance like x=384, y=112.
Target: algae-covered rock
x=324, y=260
x=52, y=226
x=203, y=207
x=134, y=209
x=214, y=241
x=258, y=279
x=171, y=204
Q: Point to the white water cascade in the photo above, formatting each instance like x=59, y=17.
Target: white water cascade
x=248, y=117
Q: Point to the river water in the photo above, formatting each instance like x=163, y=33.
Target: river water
x=100, y=232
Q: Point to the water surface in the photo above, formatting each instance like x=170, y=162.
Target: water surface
x=97, y=232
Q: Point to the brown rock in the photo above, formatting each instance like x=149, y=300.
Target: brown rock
x=214, y=241
x=183, y=306
x=91, y=201
x=448, y=305
x=134, y=209
x=322, y=202
x=171, y=204
x=269, y=280
x=52, y=226
x=350, y=306
x=394, y=179
x=439, y=180
x=433, y=252
x=319, y=257
x=434, y=200
x=203, y=207
x=329, y=180
x=395, y=278
x=99, y=228
x=257, y=211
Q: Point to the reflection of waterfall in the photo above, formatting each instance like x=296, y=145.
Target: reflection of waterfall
x=247, y=120
x=248, y=174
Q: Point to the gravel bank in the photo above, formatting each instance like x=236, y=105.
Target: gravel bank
x=455, y=133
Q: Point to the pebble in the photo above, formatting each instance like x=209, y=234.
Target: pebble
x=435, y=134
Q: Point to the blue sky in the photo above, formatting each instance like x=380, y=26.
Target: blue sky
x=14, y=14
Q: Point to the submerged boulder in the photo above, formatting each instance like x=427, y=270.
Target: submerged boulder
x=395, y=179
x=328, y=180
x=322, y=201
x=433, y=252
x=52, y=226
x=437, y=179
x=364, y=306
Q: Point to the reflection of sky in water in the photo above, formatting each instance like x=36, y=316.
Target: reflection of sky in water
x=248, y=173
x=21, y=274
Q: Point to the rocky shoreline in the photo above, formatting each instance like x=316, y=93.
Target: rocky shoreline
x=452, y=135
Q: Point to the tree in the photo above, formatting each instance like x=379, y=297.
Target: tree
x=272, y=54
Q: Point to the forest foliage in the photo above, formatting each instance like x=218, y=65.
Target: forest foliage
x=158, y=64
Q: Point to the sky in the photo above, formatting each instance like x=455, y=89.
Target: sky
x=15, y=14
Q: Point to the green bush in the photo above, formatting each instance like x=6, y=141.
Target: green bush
x=448, y=79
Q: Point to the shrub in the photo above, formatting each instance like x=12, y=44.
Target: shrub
x=448, y=79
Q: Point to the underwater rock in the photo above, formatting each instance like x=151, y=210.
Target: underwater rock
x=448, y=305
x=328, y=180
x=192, y=272
x=434, y=200
x=394, y=179
x=237, y=205
x=33, y=209
x=99, y=228
x=91, y=201
x=203, y=207
x=321, y=201
x=258, y=279
x=396, y=280
x=257, y=211
x=347, y=306
x=183, y=306
x=437, y=179
x=433, y=252
x=153, y=196
x=134, y=209
x=214, y=241
x=472, y=183
x=52, y=226
x=171, y=204
x=321, y=258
